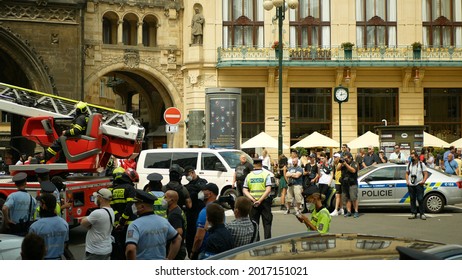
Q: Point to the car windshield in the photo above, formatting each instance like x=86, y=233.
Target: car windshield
x=232, y=157
x=366, y=170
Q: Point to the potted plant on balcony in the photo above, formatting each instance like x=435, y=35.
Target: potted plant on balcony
x=416, y=49
x=275, y=47
x=348, y=49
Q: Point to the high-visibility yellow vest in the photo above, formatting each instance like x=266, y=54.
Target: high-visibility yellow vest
x=257, y=183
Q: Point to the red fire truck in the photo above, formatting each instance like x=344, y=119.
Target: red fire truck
x=109, y=133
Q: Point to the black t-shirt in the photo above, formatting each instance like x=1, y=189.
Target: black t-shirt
x=311, y=170
x=348, y=177
x=242, y=170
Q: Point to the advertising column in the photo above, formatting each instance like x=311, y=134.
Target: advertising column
x=223, y=117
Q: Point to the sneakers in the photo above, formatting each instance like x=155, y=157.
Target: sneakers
x=348, y=214
x=413, y=216
x=356, y=215
x=283, y=207
x=334, y=213
x=297, y=213
x=287, y=211
x=423, y=217
x=341, y=212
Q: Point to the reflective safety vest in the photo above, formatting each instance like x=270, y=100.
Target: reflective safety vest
x=57, y=211
x=158, y=209
x=257, y=183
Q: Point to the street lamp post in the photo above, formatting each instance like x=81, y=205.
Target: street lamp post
x=280, y=15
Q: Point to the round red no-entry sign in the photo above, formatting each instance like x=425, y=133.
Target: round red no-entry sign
x=172, y=115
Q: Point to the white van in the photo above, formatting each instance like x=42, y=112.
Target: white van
x=214, y=165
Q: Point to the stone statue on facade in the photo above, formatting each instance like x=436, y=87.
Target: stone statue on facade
x=197, y=25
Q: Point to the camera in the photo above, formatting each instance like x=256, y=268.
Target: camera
x=341, y=160
x=413, y=179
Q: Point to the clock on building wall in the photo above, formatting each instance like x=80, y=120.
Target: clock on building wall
x=341, y=94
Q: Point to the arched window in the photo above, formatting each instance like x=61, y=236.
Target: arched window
x=242, y=23
x=130, y=32
x=110, y=28
x=442, y=22
x=150, y=31
x=310, y=24
x=375, y=23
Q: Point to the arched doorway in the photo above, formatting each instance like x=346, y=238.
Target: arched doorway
x=139, y=92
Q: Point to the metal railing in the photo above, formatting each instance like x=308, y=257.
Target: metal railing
x=336, y=53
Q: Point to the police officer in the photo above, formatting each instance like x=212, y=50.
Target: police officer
x=19, y=207
x=194, y=187
x=43, y=175
x=78, y=127
x=123, y=193
x=148, y=235
x=257, y=187
x=175, y=175
x=47, y=187
x=154, y=187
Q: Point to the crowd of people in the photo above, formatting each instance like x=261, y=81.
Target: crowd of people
x=176, y=221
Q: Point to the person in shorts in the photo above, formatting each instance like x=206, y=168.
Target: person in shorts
x=349, y=182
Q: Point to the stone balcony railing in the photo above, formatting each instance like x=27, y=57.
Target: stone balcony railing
x=312, y=55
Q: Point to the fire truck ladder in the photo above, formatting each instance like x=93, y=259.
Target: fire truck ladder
x=30, y=103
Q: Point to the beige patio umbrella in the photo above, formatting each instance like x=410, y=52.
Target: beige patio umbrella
x=316, y=139
x=433, y=141
x=457, y=143
x=262, y=140
x=365, y=140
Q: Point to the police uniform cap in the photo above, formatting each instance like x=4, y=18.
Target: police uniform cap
x=211, y=187
x=144, y=197
x=257, y=161
x=312, y=155
x=18, y=178
x=155, y=177
x=41, y=171
x=310, y=191
x=188, y=169
x=47, y=187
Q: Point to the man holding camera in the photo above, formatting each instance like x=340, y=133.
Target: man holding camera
x=416, y=175
x=349, y=181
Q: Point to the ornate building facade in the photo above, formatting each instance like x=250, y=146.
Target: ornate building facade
x=146, y=55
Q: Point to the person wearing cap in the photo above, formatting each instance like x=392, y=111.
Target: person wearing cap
x=338, y=186
x=154, y=187
x=257, y=187
x=148, y=235
x=18, y=209
x=209, y=195
x=320, y=217
x=98, y=243
x=176, y=172
x=194, y=187
x=123, y=193
x=240, y=173
x=53, y=229
x=177, y=219
x=349, y=181
x=47, y=187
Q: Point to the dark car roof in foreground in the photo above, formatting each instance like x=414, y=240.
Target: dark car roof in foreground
x=312, y=245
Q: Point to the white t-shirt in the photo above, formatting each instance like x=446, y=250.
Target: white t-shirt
x=324, y=178
x=98, y=239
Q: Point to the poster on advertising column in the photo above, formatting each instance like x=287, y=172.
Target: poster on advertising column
x=223, y=117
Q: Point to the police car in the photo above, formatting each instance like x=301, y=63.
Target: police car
x=385, y=185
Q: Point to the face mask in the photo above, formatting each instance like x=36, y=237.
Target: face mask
x=310, y=206
x=200, y=195
x=189, y=178
x=164, y=204
x=134, y=210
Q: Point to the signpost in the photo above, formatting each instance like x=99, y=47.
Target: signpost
x=172, y=117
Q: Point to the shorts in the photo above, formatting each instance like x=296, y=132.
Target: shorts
x=294, y=191
x=338, y=189
x=350, y=192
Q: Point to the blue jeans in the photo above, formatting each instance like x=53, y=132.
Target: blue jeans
x=416, y=193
